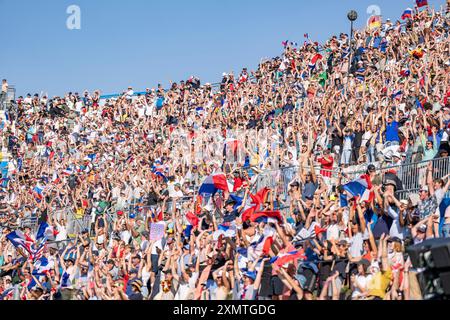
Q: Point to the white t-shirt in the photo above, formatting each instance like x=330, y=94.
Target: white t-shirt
x=347, y=143
x=186, y=289
x=361, y=281
x=62, y=232
x=439, y=193
x=176, y=194
x=356, y=248
x=141, y=110
x=79, y=106
x=366, y=137
x=396, y=229
x=333, y=232
x=125, y=236
x=157, y=244
x=5, y=87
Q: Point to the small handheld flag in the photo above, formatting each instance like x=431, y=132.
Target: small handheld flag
x=214, y=183
x=359, y=188
x=374, y=22
x=314, y=60
x=421, y=3
x=405, y=73
x=407, y=14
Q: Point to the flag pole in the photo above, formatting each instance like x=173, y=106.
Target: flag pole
x=352, y=16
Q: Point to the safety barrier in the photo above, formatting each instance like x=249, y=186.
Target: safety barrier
x=279, y=180
x=76, y=224
x=6, y=98
x=214, y=86
x=412, y=175
x=30, y=222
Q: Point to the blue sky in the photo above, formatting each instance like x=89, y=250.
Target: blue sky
x=143, y=43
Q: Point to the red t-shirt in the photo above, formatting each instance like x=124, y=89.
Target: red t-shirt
x=238, y=182
x=326, y=164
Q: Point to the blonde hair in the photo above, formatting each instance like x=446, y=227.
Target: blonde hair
x=398, y=247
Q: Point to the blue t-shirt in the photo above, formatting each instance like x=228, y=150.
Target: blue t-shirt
x=383, y=225
x=369, y=216
x=392, y=131
x=288, y=107
x=159, y=102
x=359, y=76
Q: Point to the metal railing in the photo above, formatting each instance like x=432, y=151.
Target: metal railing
x=279, y=179
x=30, y=222
x=412, y=175
x=76, y=224
x=6, y=98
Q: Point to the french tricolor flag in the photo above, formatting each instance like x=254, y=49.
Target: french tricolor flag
x=249, y=207
x=22, y=241
x=42, y=266
x=45, y=231
x=161, y=175
x=360, y=188
x=260, y=196
x=68, y=172
x=55, y=178
x=214, y=183
x=405, y=73
x=193, y=219
x=407, y=14
x=314, y=60
x=313, y=231
x=158, y=214
x=225, y=230
x=266, y=217
x=257, y=200
x=284, y=258
x=397, y=95
x=263, y=244
x=7, y=294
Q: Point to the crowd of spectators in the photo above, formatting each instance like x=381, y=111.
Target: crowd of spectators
x=128, y=165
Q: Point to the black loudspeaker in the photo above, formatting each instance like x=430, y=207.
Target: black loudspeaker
x=445, y=279
x=431, y=258
x=441, y=256
x=431, y=254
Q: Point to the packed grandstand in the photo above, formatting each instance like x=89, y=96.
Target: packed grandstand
x=305, y=179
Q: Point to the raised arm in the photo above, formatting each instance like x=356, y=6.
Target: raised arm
x=362, y=220
x=257, y=282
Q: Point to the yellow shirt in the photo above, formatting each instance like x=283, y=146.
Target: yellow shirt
x=254, y=162
x=379, y=283
x=79, y=213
